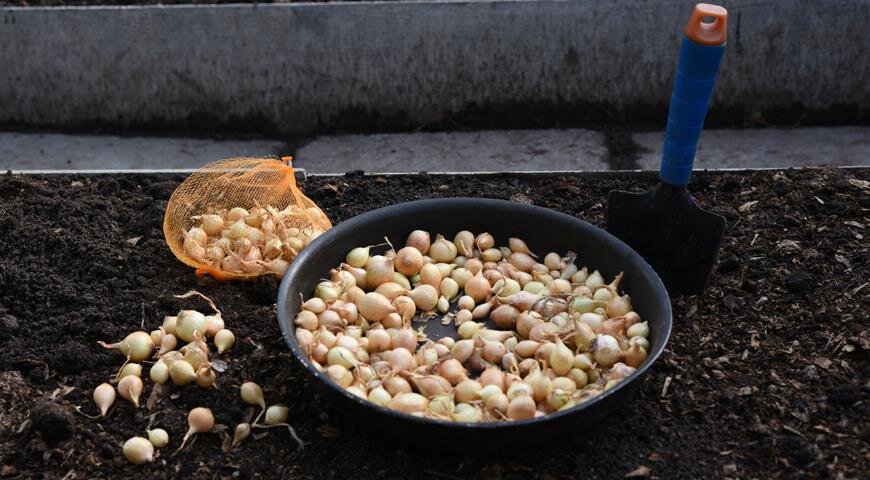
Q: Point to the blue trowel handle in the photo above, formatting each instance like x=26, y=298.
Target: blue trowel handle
x=700, y=55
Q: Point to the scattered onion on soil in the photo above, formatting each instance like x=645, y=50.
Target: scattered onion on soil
x=241, y=432
x=560, y=334
x=138, y=450
x=130, y=387
x=199, y=420
x=104, y=397
x=136, y=346
x=252, y=394
x=158, y=437
x=189, y=364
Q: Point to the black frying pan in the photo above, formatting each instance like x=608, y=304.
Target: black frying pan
x=543, y=230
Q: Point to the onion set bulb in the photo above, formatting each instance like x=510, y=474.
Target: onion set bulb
x=158, y=437
x=138, y=450
x=252, y=394
x=104, y=397
x=241, y=432
x=275, y=415
x=199, y=420
x=535, y=332
x=189, y=324
x=136, y=346
x=224, y=340
x=130, y=388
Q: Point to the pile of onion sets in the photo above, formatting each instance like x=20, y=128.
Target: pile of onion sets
x=178, y=351
x=536, y=334
x=251, y=242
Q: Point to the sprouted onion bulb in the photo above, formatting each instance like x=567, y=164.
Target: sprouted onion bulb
x=536, y=334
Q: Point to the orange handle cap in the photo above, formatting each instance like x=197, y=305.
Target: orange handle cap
x=714, y=33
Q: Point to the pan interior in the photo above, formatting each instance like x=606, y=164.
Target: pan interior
x=542, y=229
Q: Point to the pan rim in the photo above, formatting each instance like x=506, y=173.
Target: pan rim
x=360, y=220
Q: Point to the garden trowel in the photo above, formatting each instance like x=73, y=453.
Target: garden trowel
x=676, y=236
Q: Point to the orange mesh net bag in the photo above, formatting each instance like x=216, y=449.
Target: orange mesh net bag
x=239, y=218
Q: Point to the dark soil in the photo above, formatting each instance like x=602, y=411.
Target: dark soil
x=765, y=377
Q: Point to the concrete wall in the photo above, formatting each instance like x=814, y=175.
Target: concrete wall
x=301, y=68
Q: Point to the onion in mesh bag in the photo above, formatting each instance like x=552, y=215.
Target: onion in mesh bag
x=239, y=218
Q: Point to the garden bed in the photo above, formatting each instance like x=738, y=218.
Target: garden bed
x=763, y=377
